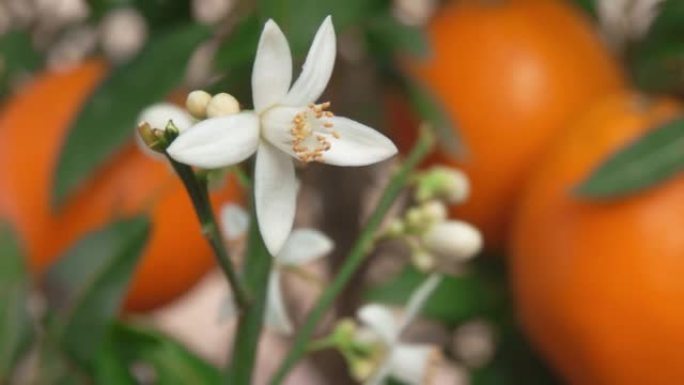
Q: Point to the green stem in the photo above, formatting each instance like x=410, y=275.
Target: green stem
x=250, y=323
x=356, y=256
x=199, y=195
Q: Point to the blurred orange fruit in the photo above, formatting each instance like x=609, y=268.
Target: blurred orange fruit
x=599, y=285
x=511, y=74
x=33, y=126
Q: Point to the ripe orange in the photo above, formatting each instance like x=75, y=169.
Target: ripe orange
x=33, y=126
x=511, y=73
x=599, y=285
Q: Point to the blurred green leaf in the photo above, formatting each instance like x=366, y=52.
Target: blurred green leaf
x=588, y=6
x=651, y=159
x=431, y=111
x=388, y=35
x=86, y=286
x=159, y=14
x=17, y=57
x=299, y=19
x=108, y=118
x=240, y=46
x=455, y=300
x=16, y=332
x=172, y=362
x=657, y=60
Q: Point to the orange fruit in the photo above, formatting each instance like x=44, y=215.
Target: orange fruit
x=598, y=284
x=33, y=126
x=511, y=73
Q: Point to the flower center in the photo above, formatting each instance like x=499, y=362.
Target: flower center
x=311, y=132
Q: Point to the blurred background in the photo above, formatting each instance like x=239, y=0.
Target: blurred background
x=578, y=283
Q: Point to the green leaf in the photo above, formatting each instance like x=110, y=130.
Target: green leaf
x=172, y=362
x=16, y=331
x=654, y=157
x=108, y=118
x=431, y=110
x=17, y=58
x=299, y=19
x=240, y=47
x=588, y=6
x=657, y=61
x=389, y=36
x=86, y=286
x=455, y=300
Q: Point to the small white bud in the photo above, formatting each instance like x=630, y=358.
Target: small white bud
x=474, y=343
x=455, y=240
x=434, y=211
x=445, y=183
x=423, y=260
x=221, y=105
x=197, y=103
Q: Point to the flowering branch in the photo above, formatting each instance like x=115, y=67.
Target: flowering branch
x=199, y=195
x=251, y=320
x=356, y=256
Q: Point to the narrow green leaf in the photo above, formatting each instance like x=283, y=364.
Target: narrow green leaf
x=173, y=364
x=431, y=110
x=18, y=58
x=389, y=36
x=455, y=300
x=108, y=118
x=300, y=26
x=86, y=286
x=651, y=159
x=240, y=47
x=16, y=330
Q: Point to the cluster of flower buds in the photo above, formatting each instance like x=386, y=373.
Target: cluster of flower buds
x=436, y=242
x=161, y=123
x=202, y=105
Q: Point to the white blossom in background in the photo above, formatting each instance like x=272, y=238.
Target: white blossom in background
x=625, y=20
x=474, y=343
x=122, y=33
x=414, y=12
x=211, y=11
x=285, y=125
x=414, y=364
x=302, y=247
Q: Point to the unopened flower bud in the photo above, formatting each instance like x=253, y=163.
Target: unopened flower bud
x=221, y=105
x=197, y=103
x=151, y=138
x=456, y=240
x=434, y=211
x=445, y=183
x=423, y=260
x=396, y=228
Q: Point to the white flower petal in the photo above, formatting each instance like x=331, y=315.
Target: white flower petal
x=235, y=221
x=304, y=246
x=317, y=68
x=381, y=320
x=272, y=72
x=358, y=145
x=276, y=126
x=218, y=142
x=413, y=364
x=275, y=194
x=159, y=115
x=275, y=317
